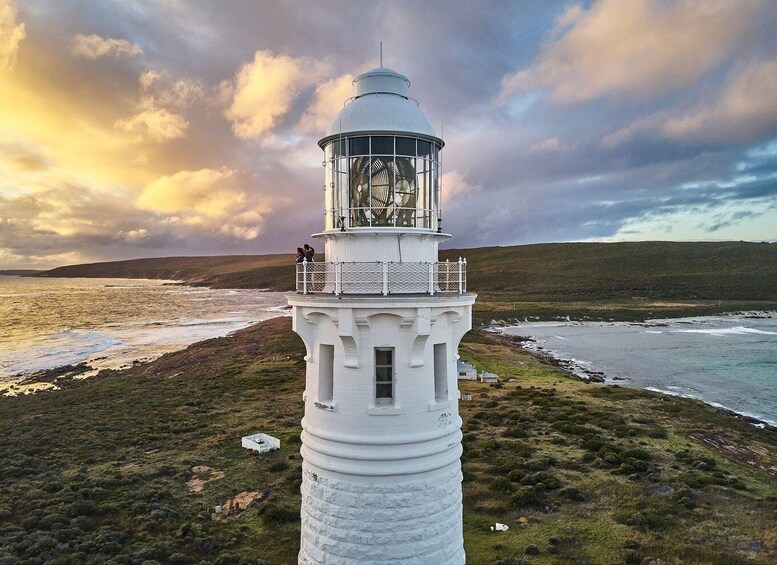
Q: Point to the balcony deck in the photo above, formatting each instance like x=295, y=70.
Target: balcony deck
x=382, y=277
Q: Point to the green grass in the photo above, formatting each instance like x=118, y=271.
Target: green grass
x=98, y=473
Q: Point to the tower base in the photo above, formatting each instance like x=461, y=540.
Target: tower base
x=412, y=520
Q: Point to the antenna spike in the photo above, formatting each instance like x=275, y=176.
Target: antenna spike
x=381, y=54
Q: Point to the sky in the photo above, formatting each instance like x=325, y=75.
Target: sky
x=157, y=128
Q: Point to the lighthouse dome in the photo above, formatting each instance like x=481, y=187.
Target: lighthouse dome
x=381, y=104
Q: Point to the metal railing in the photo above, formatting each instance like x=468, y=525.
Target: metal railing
x=382, y=277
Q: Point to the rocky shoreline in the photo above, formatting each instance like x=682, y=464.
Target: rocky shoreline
x=577, y=371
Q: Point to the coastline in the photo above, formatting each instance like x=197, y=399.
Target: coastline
x=80, y=374
x=70, y=349
x=590, y=373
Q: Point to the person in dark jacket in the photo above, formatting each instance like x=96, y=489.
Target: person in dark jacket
x=309, y=252
x=300, y=255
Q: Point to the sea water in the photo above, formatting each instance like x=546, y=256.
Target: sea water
x=728, y=361
x=110, y=323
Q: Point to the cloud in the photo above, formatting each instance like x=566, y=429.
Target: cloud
x=11, y=34
x=746, y=109
x=455, y=185
x=160, y=90
x=207, y=192
x=93, y=47
x=155, y=124
x=19, y=158
x=327, y=102
x=638, y=49
x=263, y=91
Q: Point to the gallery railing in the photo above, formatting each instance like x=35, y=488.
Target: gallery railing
x=382, y=277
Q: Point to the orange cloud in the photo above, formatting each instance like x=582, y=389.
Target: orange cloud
x=264, y=90
x=327, y=102
x=11, y=34
x=640, y=48
x=93, y=47
x=207, y=192
x=155, y=124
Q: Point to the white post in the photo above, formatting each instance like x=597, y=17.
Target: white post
x=431, y=277
x=304, y=276
x=447, y=275
x=461, y=277
x=338, y=277
x=464, y=277
x=385, y=277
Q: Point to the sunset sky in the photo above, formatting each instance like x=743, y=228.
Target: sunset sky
x=170, y=127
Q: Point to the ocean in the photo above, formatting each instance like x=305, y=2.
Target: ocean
x=110, y=323
x=727, y=361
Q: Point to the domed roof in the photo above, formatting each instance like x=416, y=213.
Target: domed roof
x=381, y=104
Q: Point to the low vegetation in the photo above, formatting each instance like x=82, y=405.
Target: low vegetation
x=128, y=467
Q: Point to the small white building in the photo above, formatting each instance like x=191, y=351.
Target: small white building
x=489, y=377
x=466, y=371
x=261, y=443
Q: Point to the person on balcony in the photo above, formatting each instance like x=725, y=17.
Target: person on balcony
x=309, y=252
x=300, y=255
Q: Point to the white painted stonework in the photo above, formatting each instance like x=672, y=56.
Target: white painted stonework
x=261, y=442
x=381, y=480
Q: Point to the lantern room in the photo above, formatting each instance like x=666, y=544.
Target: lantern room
x=381, y=160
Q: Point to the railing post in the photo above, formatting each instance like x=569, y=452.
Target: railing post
x=431, y=277
x=304, y=276
x=338, y=277
x=447, y=275
x=461, y=276
x=385, y=277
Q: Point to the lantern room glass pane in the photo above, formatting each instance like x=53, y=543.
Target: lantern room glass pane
x=405, y=191
x=338, y=147
x=359, y=146
x=359, y=193
x=382, y=145
x=381, y=200
x=329, y=187
x=406, y=146
x=424, y=148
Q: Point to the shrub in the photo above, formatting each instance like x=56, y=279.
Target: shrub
x=550, y=481
x=278, y=466
x=632, y=556
x=501, y=484
x=275, y=515
x=525, y=496
x=572, y=493
x=637, y=453
x=531, y=549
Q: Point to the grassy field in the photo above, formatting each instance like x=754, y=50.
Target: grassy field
x=594, y=281
x=107, y=470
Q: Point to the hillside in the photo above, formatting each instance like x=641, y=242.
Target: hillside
x=126, y=468
x=602, y=281
x=227, y=271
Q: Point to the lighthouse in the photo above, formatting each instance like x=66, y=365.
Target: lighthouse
x=381, y=319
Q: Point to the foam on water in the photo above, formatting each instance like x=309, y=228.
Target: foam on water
x=109, y=323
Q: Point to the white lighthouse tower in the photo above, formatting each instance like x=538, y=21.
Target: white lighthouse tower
x=381, y=320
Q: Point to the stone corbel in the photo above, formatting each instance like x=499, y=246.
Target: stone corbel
x=348, y=332
x=423, y=323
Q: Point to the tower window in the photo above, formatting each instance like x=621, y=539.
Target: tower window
x=384, y=374
x=326, y=373
x=440, y=372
